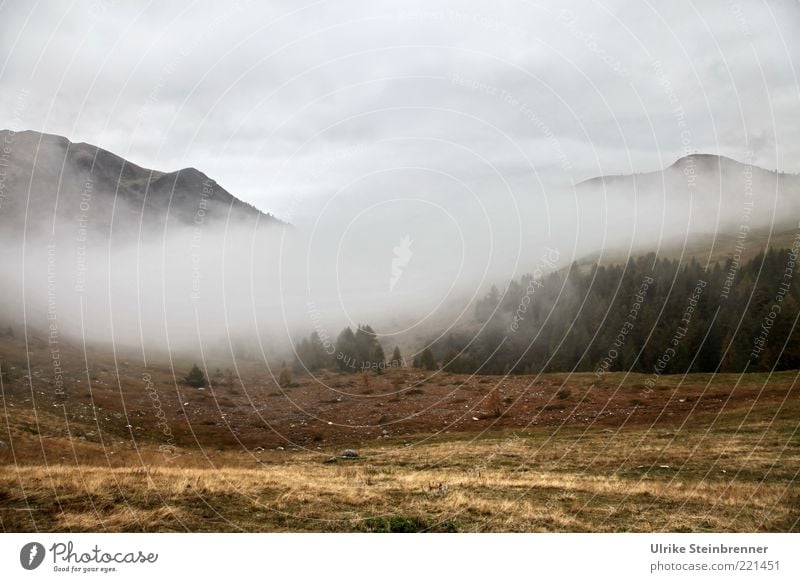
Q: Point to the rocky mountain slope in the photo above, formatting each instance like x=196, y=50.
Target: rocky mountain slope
x=52, y=185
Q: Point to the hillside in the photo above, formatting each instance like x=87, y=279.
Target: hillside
x=713, y=193
x=53, y=186
x=703, y=247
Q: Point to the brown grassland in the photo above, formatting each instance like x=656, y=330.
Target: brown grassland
x=566, y=453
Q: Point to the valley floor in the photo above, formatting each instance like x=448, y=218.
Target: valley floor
x=637, y=480
x=436, y=452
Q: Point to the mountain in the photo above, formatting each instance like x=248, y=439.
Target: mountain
x=48, y=183
x=719, y=192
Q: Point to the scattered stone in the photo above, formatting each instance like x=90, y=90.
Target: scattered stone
x=3, y=445
x=349, y=454
x=330, y=460
x=258, y=450
x=281, y=448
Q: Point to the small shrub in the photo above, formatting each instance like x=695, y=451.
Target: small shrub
x=402, y=524
x=195, y=378
x=285, y=377
x=493, y=402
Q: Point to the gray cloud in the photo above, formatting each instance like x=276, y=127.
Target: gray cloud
x=246, y=91
x=460, y=125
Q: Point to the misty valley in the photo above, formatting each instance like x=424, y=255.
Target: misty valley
x=161, y=339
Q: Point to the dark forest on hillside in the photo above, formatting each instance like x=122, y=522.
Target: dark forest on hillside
x=649, y=315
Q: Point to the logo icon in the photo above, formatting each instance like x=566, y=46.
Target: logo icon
x=31, y=555
x=402, y=255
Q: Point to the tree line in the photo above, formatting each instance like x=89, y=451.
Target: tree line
x=646, y=315
x=357, y=351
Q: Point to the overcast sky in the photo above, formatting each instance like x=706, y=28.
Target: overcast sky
x=290, y=105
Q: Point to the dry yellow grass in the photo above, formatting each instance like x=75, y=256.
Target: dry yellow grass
x=700, y=453
x=521, y=482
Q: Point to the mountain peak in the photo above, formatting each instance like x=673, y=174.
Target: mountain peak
x=702, y=163
x=61, y=177
x=706, y=160
x=192, y=171
x=703, y=186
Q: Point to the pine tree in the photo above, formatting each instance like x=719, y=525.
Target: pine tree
x=377, y=357
x=320, y=358
x=452, y=362
x=365, y=345
x=303, y=357
x=346, y=351
x=426, y=360
x=311, y=354
x=485, y=307
x=397, y=358
x=195, y=378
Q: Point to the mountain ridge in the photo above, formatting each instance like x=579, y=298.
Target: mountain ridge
x=710, y=191
x=48, y=178
x=706, y=158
